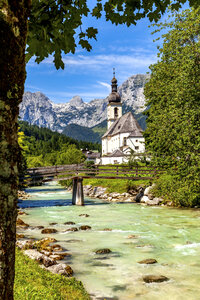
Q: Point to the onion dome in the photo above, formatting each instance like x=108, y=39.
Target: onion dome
x=114, y=95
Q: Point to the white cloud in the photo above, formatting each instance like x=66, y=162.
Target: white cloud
x=135, y=60
x=104, y=84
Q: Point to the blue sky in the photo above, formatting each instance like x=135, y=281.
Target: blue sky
x=88, y=74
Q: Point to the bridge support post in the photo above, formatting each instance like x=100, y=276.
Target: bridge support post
x=77, y=193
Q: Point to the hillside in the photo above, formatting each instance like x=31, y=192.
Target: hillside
x=43, y=140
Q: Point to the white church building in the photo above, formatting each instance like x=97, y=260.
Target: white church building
x=123, y=132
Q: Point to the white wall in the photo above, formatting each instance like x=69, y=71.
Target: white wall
x=114, y=160
x=113, y=143
x=136, y=142
x=111, y=112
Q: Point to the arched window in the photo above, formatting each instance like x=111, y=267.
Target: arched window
x=116, y=112
x=125, y=141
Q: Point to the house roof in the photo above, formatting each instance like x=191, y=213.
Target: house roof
x=126, y=123
x=116, y=153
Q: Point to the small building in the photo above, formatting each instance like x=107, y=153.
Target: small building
x=124, y=135
x=93, y=156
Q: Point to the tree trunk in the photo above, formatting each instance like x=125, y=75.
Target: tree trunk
x=13, y=32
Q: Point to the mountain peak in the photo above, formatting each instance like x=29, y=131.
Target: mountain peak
x=76, y=101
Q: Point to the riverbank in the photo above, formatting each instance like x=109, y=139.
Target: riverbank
x=139, y=194
x=33, y=282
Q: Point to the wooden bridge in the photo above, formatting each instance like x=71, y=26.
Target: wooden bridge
x=78, y=172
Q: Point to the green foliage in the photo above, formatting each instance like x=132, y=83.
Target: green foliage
x=173, y=119
x=42, y=147
x=170, y=188
x=55, y=27
x=70, y=155
x=32, y=282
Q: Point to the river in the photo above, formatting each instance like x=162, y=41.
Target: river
x=171, y=236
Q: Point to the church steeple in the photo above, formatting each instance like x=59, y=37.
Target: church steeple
x=114, y=82
x=114, y=110
x=114, y=95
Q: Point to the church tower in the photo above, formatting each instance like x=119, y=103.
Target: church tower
x=114, y=107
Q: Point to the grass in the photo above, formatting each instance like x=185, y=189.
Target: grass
x=116, y=185
x=34, y=283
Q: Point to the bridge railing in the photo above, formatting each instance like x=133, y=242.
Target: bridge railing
x=63, y=172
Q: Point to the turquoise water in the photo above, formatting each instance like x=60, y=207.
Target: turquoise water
x=171, y=236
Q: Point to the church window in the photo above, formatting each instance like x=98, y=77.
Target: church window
x=136, y=147
x=116, y=112
x=136, y=140
x=125, y=141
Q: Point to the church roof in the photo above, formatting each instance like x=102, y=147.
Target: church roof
x=125, y=124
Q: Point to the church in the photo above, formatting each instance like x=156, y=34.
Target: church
x=123, y=132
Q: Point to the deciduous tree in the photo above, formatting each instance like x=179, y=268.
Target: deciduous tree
x=173, y=119
x=53, y=27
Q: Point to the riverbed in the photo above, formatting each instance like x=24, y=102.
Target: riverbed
x=133, y=233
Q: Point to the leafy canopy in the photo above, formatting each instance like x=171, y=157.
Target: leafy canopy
x=55, y=25
x=173, y=93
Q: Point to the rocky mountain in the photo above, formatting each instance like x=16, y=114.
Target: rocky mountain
x=37, y=109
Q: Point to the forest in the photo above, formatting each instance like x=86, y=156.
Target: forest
x=43, y=147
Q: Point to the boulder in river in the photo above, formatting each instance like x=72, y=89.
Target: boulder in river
x=84, y=215
x=85, y=227
x=132, y=236
x=148, y=261
x=48, y=230
x=72, y=229
x=69, y=223
x=103, y=251
x=51, y=224
x=154, y=278
x=20, y=223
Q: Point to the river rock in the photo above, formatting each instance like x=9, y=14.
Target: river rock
x=103, y=251
x=56, y=248
x=53, y=224
x=147, y=190
x=69, y=223
x=139, y=195
x=61, y=269
x=154, y=278
x=21, y=212
x=107, y=229
x=20, y=223
x=148, y=261
x=144, y=199
x=132, y=236
x=84, y=215
x=72, y=229
x=38, y=227
x=41, y=258
x=19, y=236
x=49, y=230
x=59, y=256
x=155, y=201
x=25, y=244
x=85, y=227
